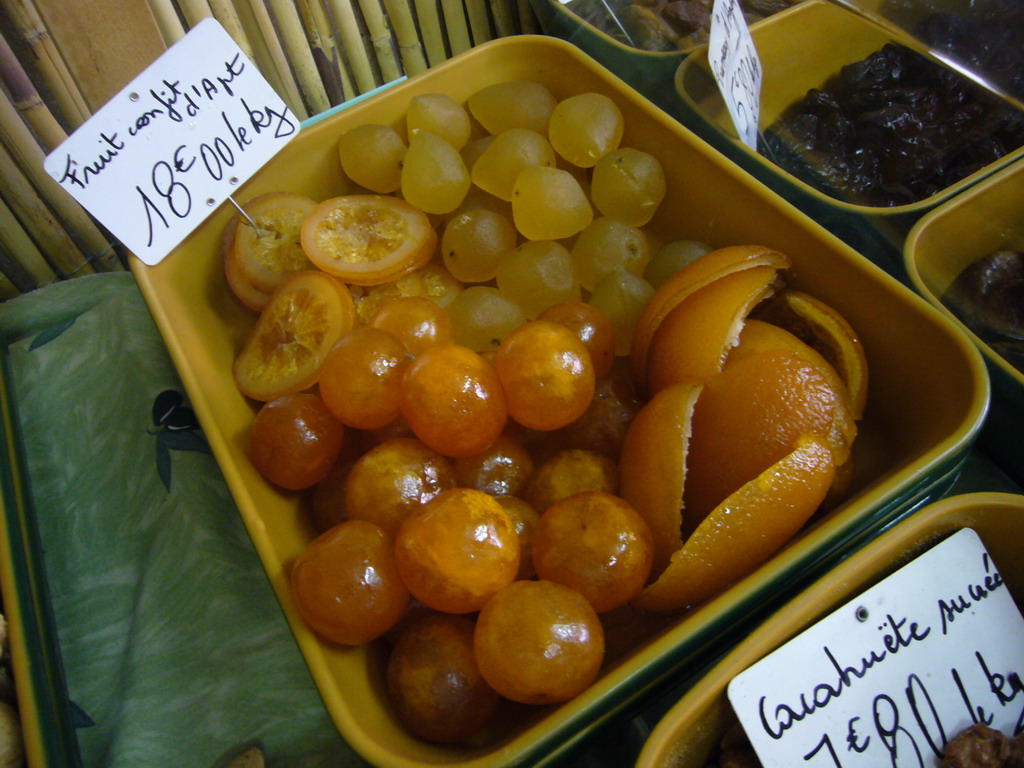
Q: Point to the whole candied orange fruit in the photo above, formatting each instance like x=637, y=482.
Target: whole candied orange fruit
x=457, y=551
x=538, y=642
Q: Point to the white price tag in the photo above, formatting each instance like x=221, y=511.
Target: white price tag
x=161, y=155
x=891, y=676
x=736, y=67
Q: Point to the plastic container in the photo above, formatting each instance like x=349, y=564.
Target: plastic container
x=800, y=49
x=928, y=396
x=986, y=218
x=689, y=733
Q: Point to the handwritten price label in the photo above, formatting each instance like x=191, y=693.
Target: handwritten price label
x=736, y=67
x=891, y=676
x=161, y=155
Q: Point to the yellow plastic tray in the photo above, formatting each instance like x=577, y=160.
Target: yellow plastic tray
x=985, y=218
x=928, y=394
x=689, y=733
x=801, y=48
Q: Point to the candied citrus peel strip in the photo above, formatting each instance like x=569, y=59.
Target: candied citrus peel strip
x=693, y=340
x=652, y=465
x=688, y=280
x=745, y=530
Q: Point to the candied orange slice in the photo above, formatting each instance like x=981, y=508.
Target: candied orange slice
x=692, y=340
x=652, y=465
x=302, y=321
x=746, y=529
x=749, y=417
x=267, y=254
x=825, y=329
x=688, y=280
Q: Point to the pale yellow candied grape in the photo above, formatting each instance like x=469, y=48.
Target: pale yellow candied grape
x=621, y=296
x=538, y=274
x=512, y=104
x=474, y=242
x=371, y=155
x=483, y=316
x=628, y=184
x=672, y=257
x=440, y=114
x=511, y=151
x=434, y=178
x=585, y=127
x=549, y=204
x=607, y=245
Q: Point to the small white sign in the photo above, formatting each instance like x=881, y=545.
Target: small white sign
x=736, y=67
x=160, y=156
x=891, y=676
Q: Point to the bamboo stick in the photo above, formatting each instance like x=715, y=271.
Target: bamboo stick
x=352, y=44
x=382, y=39
x=195, y=11
x=53, y=240
x=8, y=290
x=409, y=47
x=296, y=46
x=260, y=17
x=52, y=67
x=29, y=156
x=455, y=25
x=16, y=241
x=528, y=24
x=479, y=22
x=167, y=21
x=224, y=12
x=430, y=29
x=326, y=53
x=504, y=18
x=27, y=100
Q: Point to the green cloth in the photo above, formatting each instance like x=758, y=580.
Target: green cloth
x=175, y=649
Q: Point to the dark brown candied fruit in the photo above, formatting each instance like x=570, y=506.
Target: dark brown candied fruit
x=988, y=297
x=893, y=129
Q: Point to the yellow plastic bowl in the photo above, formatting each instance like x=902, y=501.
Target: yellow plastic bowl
x=688, y=735
x=928, y=394
x=801, y=48
x=985, y=218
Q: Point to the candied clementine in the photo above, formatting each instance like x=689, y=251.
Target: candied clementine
x=453, y=400
x=597, y=544
x=746, y=529
x=524, y=518
x=304, y=318
x=248, y=294
x=361, y=378
x=749, y=417
x=295, y=440
x=591, y=326
x=457, y=551
x=416, y=321
x=393, y=480
x=345, y=584
x=693, y=339
x=368, y=239
x=500, y=469
x=567, y=472
x=688, y=280
x=539, y=642
x=602, y=427
x=434, y=683
x=546, y=375
x=652, y=467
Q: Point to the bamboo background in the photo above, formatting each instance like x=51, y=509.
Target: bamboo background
x=61, y=61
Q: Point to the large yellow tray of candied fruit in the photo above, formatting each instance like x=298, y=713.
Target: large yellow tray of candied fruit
x=505, y=361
